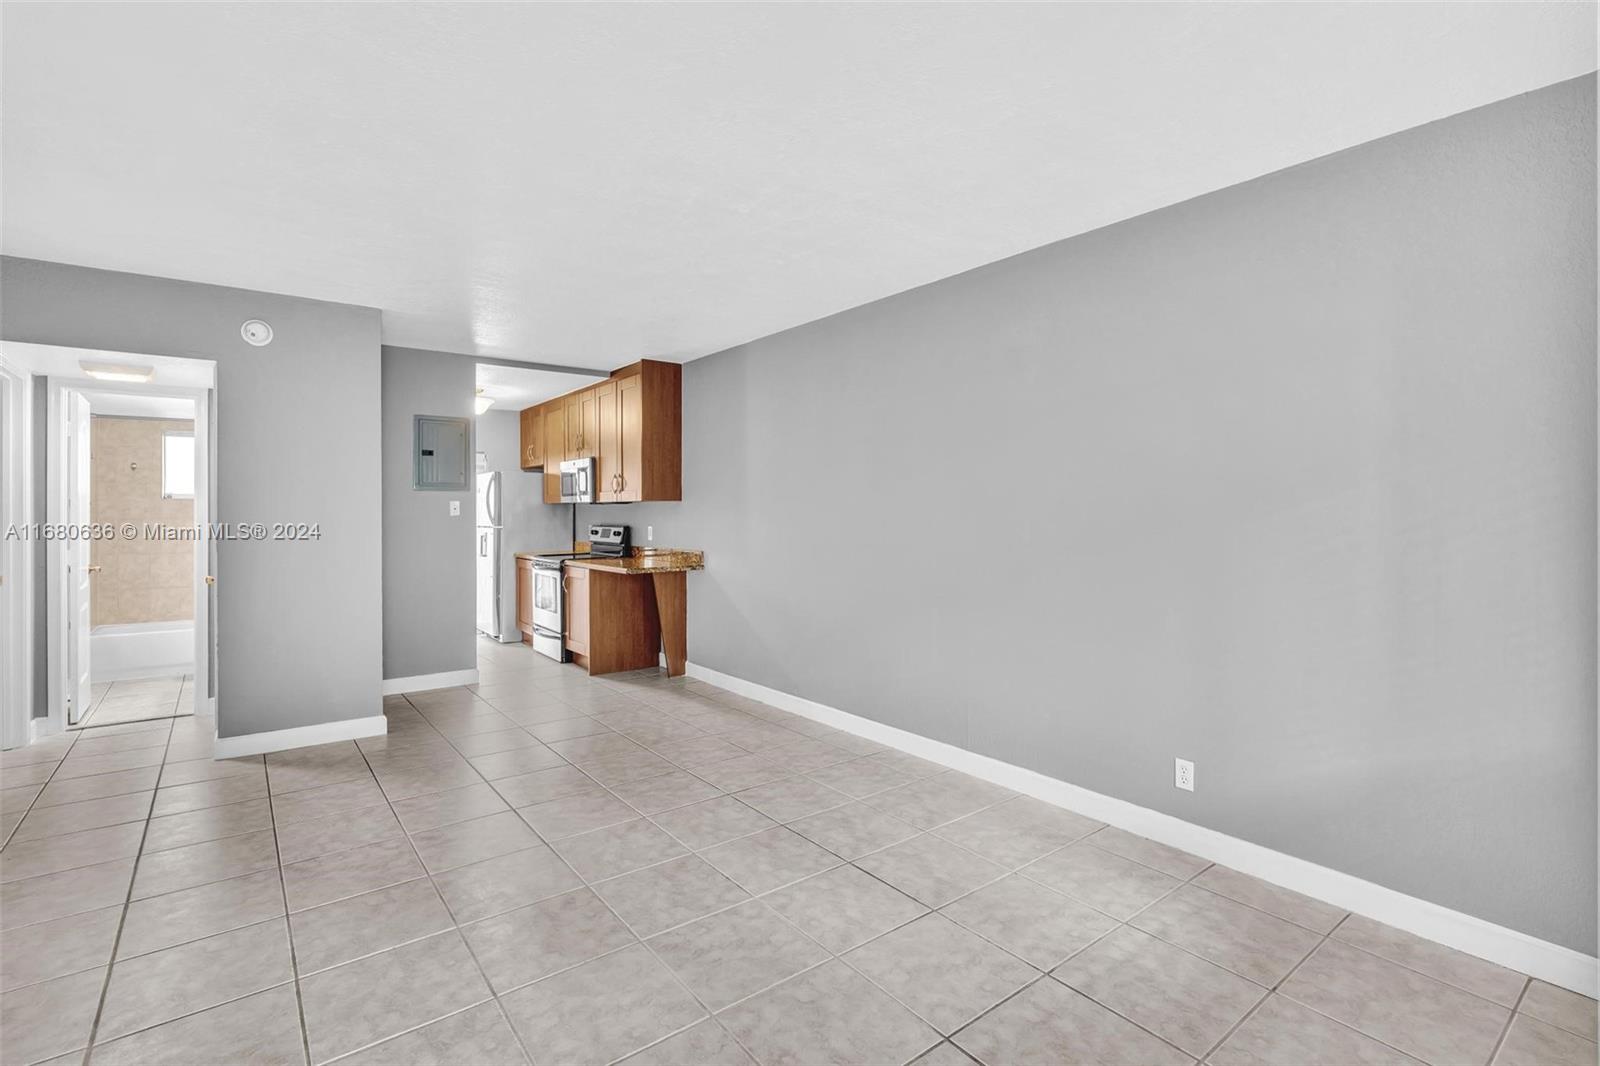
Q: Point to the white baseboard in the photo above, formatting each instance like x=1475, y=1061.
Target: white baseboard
x=394, y=686
x=299, y=737
x=1507, y=947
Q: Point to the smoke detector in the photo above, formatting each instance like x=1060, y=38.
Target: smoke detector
x=256, y=332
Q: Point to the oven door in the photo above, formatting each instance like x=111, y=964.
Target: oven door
x=547, y=599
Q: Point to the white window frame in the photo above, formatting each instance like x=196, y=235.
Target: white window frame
x=165, y=495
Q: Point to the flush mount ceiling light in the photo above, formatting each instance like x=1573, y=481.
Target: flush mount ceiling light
x=256, y=332
x=114, y=372
x=482, y=403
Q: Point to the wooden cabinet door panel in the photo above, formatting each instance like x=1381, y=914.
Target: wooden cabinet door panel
x=608, y=461
x=630, y=439
x=525, y=596
x=576, y=581
x=555, y=449
x=532, y=438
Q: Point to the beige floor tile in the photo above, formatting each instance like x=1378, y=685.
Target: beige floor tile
x=78, y=817
x=697, y=751
x=828, y=1014
x=447, y=808
x=1315, y=915
x=1423, y=1017
x=47, y=1019
x=199, y=864
x=933, y=801
x=746, y=771
x=98, y=786
x=945, y=1054
x=944, y=973
x=930, y=869
x=1168, y=860
x=56, y=895
x=654, y=795
x=1531, y=1042
x=1106, y=882
x=1184, y=1000
x=495, y=886
x=1283, y=1031
x=181, y=798
x=188, y=771
x=635, y=766
x=602, y=1010
x=1561, y=1008
x=33, y=953
x=283, y=780
x=478, y=1035
x=262, y=1029
x=577, y=813
x=1018, y=831
x=792, y=798
x=769, y=859
x=1035, y=923
x=1047, y=1024
x=363, y=925
x=595, y=746
x=349, y=873
x=48, y=855
x=566, y=728
x=854, y=830
x=337, y=832
x=704, y=1043
x=208, y=823
x=1249, y=942
x=542, y=786
x=617, y=849
x=75, y=765
x=491, y=743
x=472, y=841
x=383, y=995
x=736, y=953
x=844, y=907
x=325, y=800
x=669, y=894
x=98, y=742
x=167, y=984
x=1467, y=972
x=193, y=913
x=28, y=773
x=533, y=942
x=516, y=761
x=712, y=822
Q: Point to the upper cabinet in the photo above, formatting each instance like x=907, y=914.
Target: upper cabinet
x=532, y=438
x=631, y=424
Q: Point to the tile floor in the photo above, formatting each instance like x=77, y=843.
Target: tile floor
x=565, y=870
x=118, y=702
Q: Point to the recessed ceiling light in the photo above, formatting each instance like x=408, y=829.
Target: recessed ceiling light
x=256, y=332
x=113, y=372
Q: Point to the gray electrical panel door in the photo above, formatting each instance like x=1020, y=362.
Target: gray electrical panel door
x=442, y=448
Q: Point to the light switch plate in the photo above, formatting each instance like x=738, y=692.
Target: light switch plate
x=455, y=508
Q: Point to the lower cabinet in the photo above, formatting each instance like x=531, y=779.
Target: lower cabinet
x=575, y=580
x=525, y=599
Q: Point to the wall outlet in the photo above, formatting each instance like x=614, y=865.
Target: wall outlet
x=649, y=533
x=1183, y=774
x=455, y=508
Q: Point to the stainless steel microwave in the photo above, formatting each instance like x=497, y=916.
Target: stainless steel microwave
x=577, y=481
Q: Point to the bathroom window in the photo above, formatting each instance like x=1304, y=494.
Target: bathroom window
x=177, y=466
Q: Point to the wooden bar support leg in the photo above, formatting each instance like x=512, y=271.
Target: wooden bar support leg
x=672, y=606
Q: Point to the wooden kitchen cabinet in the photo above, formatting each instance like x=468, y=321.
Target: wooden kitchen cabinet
x=575, y=581
x=555, y=447
x=525, y=599
x=532, y=438
x=631, y=424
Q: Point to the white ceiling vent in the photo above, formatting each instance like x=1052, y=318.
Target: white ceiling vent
x=256, y=332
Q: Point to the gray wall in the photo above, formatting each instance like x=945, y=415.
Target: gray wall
x=530, y=524
x=300, y=623
x=428, y=561
x=1296, y=480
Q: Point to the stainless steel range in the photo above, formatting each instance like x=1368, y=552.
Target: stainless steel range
x=549, y=591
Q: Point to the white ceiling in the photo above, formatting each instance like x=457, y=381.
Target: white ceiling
x=515, y=387
x=586, y=184
x=138, y=405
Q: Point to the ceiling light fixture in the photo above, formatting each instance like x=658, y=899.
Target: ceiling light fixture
x=113, y=372
x=256, y=332
x=482, y=403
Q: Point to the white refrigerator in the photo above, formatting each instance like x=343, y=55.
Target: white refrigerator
x=497, y=609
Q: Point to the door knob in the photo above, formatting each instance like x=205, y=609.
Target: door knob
x=95, y=569
x=210, y=580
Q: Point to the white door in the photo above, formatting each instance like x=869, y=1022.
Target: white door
x=205, y=557
x=79, y=578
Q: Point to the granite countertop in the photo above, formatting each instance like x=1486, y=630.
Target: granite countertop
x=648, y=561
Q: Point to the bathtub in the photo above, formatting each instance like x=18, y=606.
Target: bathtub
x=131, y=650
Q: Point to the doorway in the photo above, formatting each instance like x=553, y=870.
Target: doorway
x=120, y=455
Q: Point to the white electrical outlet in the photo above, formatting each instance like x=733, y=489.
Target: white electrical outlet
x=1183, y=774
x=649, y=533
x=455, y=508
